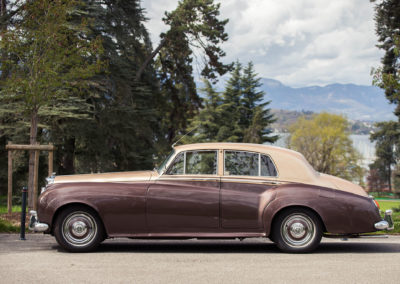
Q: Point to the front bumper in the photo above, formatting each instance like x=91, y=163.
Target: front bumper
x=386, y=223
x=35, y=225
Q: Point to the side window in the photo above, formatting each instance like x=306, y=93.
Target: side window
x=201, y=162
x=267, y=167
x=239, y=163
x=195, y=163
x=177, y=165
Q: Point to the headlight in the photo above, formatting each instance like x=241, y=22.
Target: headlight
x=49, y=180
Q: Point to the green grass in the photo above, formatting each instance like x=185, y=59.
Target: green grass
x=3, y=209
x=7, y=227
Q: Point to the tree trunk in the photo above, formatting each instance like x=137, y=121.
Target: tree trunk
x=390, y=178
x=67, y=166
x=149, y=58
x=3, y=7
x=32, y=141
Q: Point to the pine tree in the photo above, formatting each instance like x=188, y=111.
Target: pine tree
x=205, y=126
x=387, y=77
x=230, y=129
x=255, y=116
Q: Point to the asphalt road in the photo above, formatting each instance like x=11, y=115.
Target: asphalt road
x=40, y=260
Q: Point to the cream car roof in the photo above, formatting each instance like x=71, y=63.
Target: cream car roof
x=291, y=165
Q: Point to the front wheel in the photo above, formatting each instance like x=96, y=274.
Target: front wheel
x=78, y=229
x=297, y=230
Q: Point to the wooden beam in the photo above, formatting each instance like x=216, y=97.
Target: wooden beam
x=35, y=180
x=9, y=194
x=30, y=147
x=51, y=157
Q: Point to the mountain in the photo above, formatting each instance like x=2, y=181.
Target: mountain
x=367, y=103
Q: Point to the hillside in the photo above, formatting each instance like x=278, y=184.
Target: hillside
x=361, y=103
x=284, y=118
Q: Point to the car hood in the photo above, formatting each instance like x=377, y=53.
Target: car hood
x=341, y=184
x=106, y=177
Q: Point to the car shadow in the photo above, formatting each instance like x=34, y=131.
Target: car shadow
x=221, y=247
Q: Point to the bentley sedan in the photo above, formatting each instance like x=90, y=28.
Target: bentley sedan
x=213, y=190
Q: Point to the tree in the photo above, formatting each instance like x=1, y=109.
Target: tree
x=206, y=125
x=387, y=138
x=46, y=60
x=387, y=77
x=239, y=115
x=230, y=129
x=325, y=143
x=255, y=116
x=194, y=24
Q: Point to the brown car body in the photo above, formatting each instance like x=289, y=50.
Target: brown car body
x=152, y=204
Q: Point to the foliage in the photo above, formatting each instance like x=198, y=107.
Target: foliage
x=387, y=17
x=43, y=59
x=238, y=115
x=387, y=138
x=325, y=143
x=195, y=34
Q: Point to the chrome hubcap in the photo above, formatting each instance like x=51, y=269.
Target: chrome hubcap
x=298, y=230
x=79, y=228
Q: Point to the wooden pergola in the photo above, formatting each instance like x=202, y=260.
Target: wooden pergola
x=37, y=148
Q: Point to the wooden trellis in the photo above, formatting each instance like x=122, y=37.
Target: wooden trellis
x=37, y=148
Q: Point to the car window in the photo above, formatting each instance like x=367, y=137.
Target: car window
x=177, y=165
x=201, y=162
x=240, y=163
x=195, y=163
x=267, y=167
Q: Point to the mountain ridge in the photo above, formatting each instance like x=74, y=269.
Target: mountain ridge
x=357, y=102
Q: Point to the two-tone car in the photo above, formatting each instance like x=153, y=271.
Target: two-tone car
x=210, y=190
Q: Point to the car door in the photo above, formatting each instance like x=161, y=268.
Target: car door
x=186, y=197
x=245, y=189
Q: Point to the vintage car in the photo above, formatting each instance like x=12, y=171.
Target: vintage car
x=212, y=190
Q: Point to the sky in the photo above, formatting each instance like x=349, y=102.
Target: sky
x=298, y=42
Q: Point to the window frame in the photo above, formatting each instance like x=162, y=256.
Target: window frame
x=184, y=162
x=259, y=164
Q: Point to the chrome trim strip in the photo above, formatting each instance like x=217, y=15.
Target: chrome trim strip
x=187, y=179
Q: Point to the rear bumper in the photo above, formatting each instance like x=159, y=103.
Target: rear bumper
x=386, y=223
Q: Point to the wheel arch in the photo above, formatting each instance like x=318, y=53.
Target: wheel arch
x=77, y=204
x=285, y=208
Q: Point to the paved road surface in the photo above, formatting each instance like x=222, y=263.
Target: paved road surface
x=40, y=260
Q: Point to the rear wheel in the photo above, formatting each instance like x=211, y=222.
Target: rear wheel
x=78, y=229
x=297, y=230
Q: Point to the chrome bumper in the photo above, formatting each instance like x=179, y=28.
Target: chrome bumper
x=386, y=223
x=35, y=225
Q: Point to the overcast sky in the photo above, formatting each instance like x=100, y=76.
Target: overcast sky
x=298, y=42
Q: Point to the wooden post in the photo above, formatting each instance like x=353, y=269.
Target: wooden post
x=9, y=196
x=51, y=161
x=35, y=180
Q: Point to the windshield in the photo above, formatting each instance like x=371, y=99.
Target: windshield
x=161, y=168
